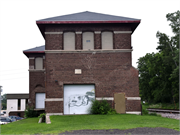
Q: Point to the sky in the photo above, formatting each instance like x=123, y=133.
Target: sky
x=18, y=30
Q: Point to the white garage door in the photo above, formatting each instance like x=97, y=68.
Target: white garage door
x=40, y=100
x=78, y=98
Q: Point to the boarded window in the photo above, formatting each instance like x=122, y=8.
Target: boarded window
x=107, y=40
x=69, y=41
x=40, y=100
x=39, y=63
x=88, y=40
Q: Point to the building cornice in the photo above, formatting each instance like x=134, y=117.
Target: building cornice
x=97, y=32
x=79, y=32
x=89, y=51
x=53, y=32
x=36, y=70
x=122, y=32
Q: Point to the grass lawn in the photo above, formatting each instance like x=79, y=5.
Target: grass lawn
x=162, y=105
x=78, y=122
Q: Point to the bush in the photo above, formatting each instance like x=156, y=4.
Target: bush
x=112, y=111
x=29, y=112
x=43, y=116
x=144, y=111
x=101, y=107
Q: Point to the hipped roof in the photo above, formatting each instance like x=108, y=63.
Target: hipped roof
x=39, y=49
x=87, y=18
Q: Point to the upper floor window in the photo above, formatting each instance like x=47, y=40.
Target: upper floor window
x=38, y=63
x=69, y=41
x=88, y=40
x=107, y=40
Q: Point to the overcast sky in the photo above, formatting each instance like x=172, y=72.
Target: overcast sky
x=18, y=29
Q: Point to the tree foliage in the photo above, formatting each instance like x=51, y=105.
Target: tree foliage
x=4, y=102
x=159, y=72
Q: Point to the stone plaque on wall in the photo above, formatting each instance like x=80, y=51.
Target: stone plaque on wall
x=78, y=71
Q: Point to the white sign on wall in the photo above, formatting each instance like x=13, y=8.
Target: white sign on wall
x=78, y=98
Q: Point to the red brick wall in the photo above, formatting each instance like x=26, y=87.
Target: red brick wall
x=55, y=41
x=133, y=105
x=54, y=106
x=31, y=62
x=122, y=41
x=97, y=41
x=78, y=45
x=110, y=72
x=36, y=85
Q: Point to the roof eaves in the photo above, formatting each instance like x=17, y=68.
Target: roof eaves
x=83, y=22
x=33, y=52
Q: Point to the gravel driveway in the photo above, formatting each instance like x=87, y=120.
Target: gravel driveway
x=135, y=131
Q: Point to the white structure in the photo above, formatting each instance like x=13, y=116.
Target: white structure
x=16, y=102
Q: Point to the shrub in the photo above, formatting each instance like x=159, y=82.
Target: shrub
x=101, y=107
x=144, y=111
x=112, y=111
x=30, y=112
x=43, y=116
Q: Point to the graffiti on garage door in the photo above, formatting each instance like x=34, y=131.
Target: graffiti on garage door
x=80, y=100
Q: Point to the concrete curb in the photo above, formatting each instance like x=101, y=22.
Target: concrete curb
x=40, y=120
x=48, y=121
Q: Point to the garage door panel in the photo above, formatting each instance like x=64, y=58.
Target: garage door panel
x=78, y=98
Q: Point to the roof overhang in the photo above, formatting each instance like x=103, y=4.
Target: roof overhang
x=17, y=96
x=41, y=24
x=28, y=53
x=83, y=22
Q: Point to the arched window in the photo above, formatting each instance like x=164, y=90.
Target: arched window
x=39, y=63
x=107, y=40
x=69, y=41
x=88, y=40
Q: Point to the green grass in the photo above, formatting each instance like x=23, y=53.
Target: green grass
x=164, y=106
x=78, y=122
x=160, y=106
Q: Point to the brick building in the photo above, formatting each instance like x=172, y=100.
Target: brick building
x=86, y=56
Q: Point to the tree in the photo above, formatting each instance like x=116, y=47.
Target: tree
x=4, y=102
x=159, y=73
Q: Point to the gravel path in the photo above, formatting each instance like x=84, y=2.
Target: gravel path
x=170, y=115
x=135, y=131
